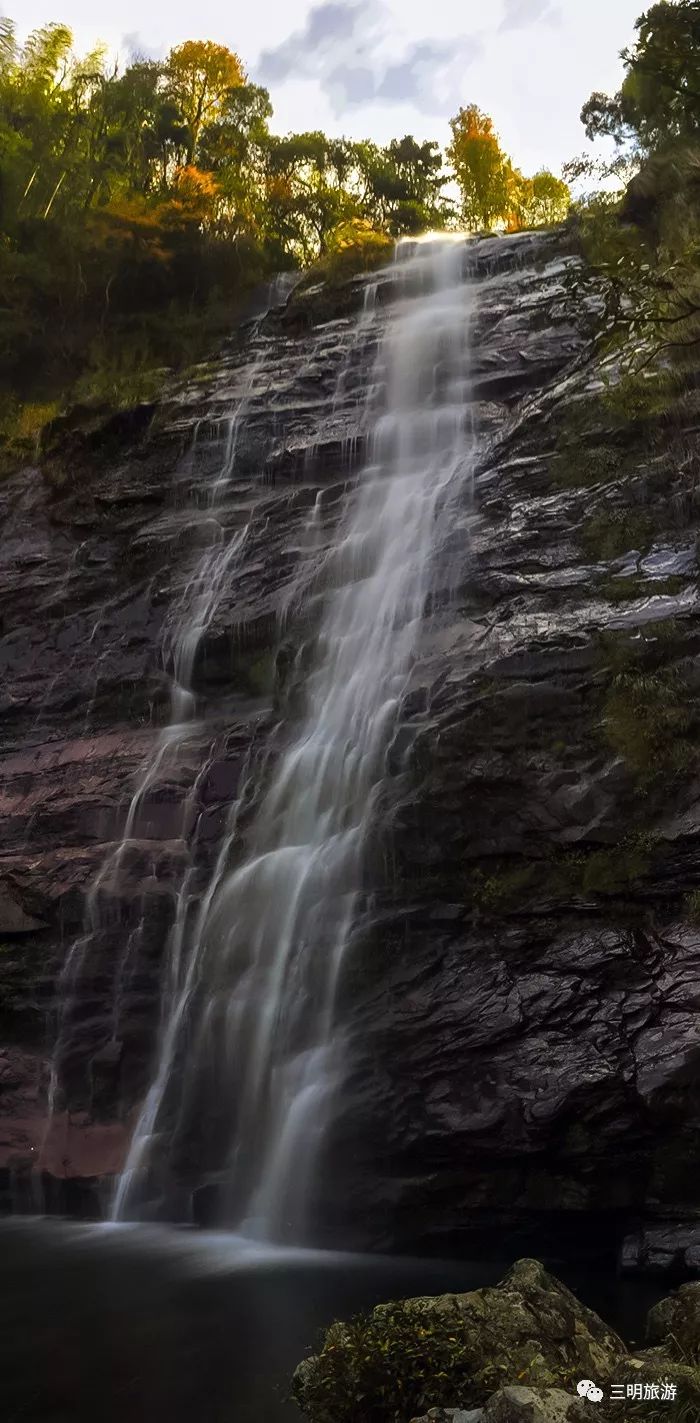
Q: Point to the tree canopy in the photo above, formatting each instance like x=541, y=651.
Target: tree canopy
x=660, y=93
x=135, y=201
x=642, y=245
x=493, y=190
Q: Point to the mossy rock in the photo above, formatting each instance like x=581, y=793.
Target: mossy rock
x=87, y=437
x=675, y=1323
x=632, y=588
x=529, y=1405
x=577, y=465
x=322, y=301
x=610, y=534
x=648, y=711
x=456, y=1350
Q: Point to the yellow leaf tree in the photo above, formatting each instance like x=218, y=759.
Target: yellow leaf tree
x=199, y=76
x=481, y=168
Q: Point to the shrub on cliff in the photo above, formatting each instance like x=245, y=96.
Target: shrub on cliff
x=356, y=247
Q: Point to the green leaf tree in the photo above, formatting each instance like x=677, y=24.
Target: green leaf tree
x=660, y=94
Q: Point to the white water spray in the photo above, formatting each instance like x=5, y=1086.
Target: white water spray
x=256, y=1012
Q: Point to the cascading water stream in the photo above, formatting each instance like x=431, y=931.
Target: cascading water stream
x=189, y=622
x=255, y=1019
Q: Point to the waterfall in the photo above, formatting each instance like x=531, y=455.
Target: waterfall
x=188, y=624
x=253, y=1031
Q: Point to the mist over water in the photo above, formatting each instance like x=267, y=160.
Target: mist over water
x=153, y=1323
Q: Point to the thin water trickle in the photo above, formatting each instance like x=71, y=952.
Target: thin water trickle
x=189, y=622
x=256, y=1019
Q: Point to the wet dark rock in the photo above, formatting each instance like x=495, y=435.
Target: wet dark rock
x=90, y=430
x=522, y=999
x=665, y=1247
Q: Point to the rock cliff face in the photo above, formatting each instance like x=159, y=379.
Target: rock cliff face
x=523, y=993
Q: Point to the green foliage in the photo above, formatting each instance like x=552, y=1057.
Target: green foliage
x=645, y=267
x=353, y=247
x=609, y=534
x=626, y=590
x=610, y=871
x=502, y=889
x=388, y=1366
x=660, y=93
x=104, y=226
x=199, y=76
x=119, y=380
x=651, y=648
x=133, y=202
x=579, y=874
x=643, y=252
x=649, y=714
x=541, y=201
x=648, y=719
x=21, y=426
x=404, y=185
x=139, y=203
x=493, y=190
x=691, y=907
x=643, y=397
x=575, y=465
x=621, y=282
x=481, y=168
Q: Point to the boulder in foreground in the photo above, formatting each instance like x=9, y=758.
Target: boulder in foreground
x=528, y=1332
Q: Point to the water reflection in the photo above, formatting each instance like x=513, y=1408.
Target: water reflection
x=148, y=1323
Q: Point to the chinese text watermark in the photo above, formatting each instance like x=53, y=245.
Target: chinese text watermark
x=663, y=1392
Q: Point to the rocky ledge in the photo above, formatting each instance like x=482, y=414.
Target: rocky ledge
x=523, y=1351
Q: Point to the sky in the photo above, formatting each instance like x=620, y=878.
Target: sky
x=382, y=68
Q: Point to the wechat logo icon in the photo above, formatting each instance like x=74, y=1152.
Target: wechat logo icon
x=588, y=1389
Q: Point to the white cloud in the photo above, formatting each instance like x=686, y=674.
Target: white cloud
x=531, y=74
x=351, y=51
x=521, y=13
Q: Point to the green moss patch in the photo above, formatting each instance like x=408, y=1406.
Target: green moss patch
x=609, y=534
x=649, y=712
x=575, y=465
x=629, y=590
x=608, y=871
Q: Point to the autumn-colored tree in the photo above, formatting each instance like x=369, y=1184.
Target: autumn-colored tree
x=194, y=194
x=136, y=195
x=481, y=168
x=234, y=147
x=199, y=75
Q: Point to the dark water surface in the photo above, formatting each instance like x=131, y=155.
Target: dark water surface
x=127, y=1324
